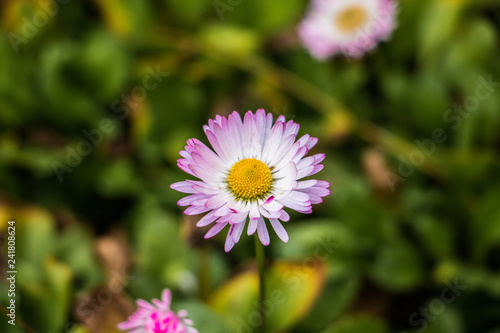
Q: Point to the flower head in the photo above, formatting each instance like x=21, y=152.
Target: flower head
x=253, y=175
x=351, y=27
x=157, y=318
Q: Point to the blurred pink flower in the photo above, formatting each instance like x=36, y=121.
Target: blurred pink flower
x=254, y=173
x=349, y=27
x=157, y=318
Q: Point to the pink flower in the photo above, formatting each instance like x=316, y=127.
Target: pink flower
x=157, y=318
x=350, y=27
x=253, y=174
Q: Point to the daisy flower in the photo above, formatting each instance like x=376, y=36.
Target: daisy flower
x=351, y=27
x=158, y=318
x=252, y=176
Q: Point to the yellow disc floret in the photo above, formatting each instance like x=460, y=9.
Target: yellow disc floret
x=249, y=179
x=351, y=19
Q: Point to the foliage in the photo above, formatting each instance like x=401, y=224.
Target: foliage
x=97, y=100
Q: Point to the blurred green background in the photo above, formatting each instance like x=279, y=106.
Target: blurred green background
x=98, y=97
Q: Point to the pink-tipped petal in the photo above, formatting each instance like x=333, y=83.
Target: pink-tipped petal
x=262, y=232
x=280, y=231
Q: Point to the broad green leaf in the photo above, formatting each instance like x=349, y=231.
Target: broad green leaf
x=75, y=249
x=437, y=24
x=205, y=319
x=35, y=235
x=292, y=288
x=336, y=298
x=47, y=300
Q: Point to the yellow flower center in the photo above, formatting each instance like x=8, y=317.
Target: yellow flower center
x=249, y=179
x=351, y=19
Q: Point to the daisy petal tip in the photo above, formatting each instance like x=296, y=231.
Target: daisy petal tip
x=239, y=145
x=228, y=248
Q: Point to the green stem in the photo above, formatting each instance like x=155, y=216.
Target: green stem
x=259, y=253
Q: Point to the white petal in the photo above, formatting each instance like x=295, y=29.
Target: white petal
x=252, y=226
x=284, y=216
x=311, y=143
x=215, y=229
x=225, y=143
x=254, y=211
x=204, y=174
x=217, y=201
x=319, y=191
x=184, y=187
x=235, y=127
x=272, y=143
x=291, y=128
x=191, y=199
x=280, y=231
x=238, y=218
x=305, y=162
x=288, y=156
x=298, y=206
x=306, y=184
x=315, y=199
x=261, y=124
x=222, y=211
x=195, y=210
x=251, y=140
x=206, y=188
x=237, y=230
x=289, y=172
x=285, y=146
x=322, y=183
x=212, y=138
x=229, y=243
x=209, y=156
x=272, y=206
x=264, y=212
x=206, y=220
x=262, y=232
x=304, y=172
x=298, y=196
x=299, y=154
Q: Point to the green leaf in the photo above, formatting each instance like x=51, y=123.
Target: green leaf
x=449, y=320
x=162, y=257
x=321, y=239
x=205, y=319
x=437, y=24
x=436, y=236
x=292, y=288
x=486, y=224
x=35, y=235
x=47, y=300
x=359, y=324
x=397, y=267
x=75, y=249
x=188, y=12
x=338, y=295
